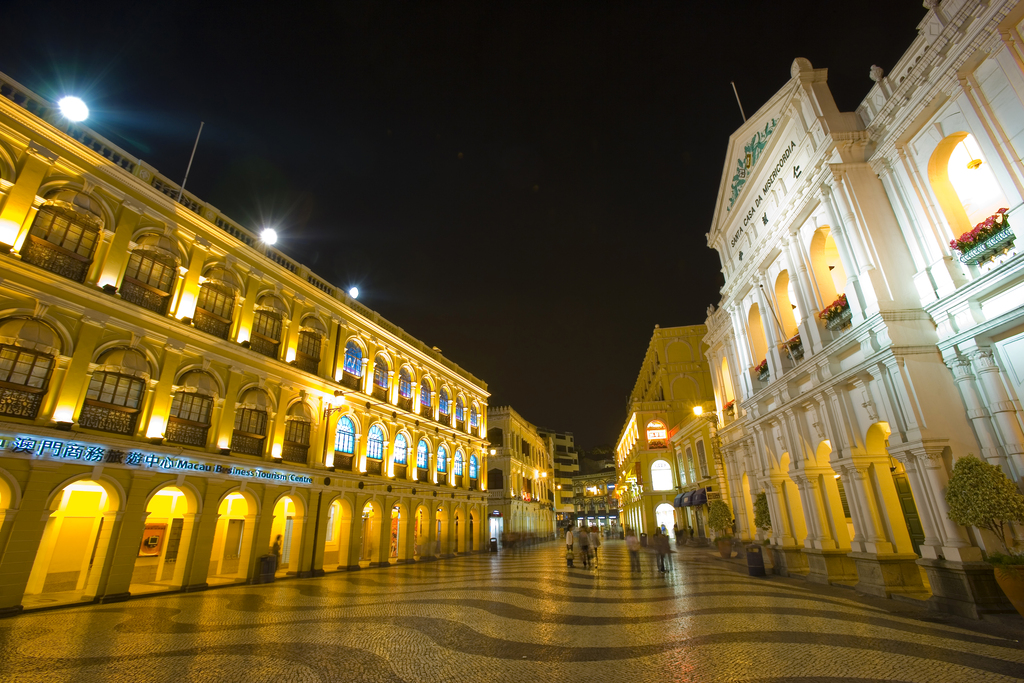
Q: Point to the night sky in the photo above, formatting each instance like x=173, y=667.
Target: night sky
x=523, y=185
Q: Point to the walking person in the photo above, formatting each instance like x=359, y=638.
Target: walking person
x=569, y=542
x=595, y=541
x=662, y=547
x=584, y=546
x=275, y=550
x=633, y=546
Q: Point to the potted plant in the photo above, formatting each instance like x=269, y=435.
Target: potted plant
x=987, y=240
x=730, y=408
x=720, y=521
x=796, y=348
x=837, y=314
x=980, y=495
x=762, y=370
x=762, y=516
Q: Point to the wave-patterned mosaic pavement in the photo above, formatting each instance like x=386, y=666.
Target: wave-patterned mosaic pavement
x=514, y=617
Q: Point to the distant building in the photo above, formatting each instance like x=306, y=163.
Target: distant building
x=520, y=481
x=673, y=379
x=567, y=466
x=595, y=501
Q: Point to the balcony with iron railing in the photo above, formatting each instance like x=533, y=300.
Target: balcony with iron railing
x=54, y=259
x=21, y=402
x=246, y=443
x=186, y=432
x=143, y=295
x=107, y=418
x=374, y=466
x=294, y=452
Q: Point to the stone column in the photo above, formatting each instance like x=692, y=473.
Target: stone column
x=963, y=375
x=115, y=586
x=355, y=534
x=76, y=379
x=248, y=303
x=809, y=308
x=33, y=166
x=853, y=295
x=188, y=292
x=226, y=424
x=1004, y=412
x=116, y=258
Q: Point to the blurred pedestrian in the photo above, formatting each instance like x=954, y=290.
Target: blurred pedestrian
x=275, y=550
x=595, y=541
x=663, y=549
x=584, y=539
x=633, y=546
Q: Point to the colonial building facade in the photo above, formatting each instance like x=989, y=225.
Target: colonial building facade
x=595, y=502
x=673, y=379
x=176, y=394
x=521, y=486
x=856, y=354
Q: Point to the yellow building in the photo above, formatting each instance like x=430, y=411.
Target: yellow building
x=176, y=395
x=673, y=379
x=520, y=481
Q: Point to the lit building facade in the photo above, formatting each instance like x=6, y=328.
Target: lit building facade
x=595, y=501
x=673, y=379
x=176, y=394
x=850, y=420
x=567, y=466
x=520, y=481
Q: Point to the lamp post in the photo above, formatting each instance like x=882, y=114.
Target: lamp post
x=332, y=407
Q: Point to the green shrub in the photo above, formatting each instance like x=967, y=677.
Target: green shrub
x=719, y=517
x=762, y=516
x=980, y=495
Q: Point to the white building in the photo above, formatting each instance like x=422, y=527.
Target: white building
x=852, y=427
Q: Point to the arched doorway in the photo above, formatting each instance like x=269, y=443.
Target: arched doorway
x=166, y=541
x=74, y=545
x=369, y=546
x=755, y=334
x=459, y=543
x=829, y=273
x=421, y=533
x=791, y=504
x=232, y=540
x=395, y=535
x=474, y=528
x=441, y=544
x=288, y=525
x=666, y=516
x=339, y=525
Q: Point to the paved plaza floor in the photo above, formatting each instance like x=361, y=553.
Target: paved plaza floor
x=520, y=616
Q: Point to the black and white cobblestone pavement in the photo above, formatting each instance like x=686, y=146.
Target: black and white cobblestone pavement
x=512, y=617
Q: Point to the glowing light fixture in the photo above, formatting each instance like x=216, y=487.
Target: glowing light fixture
x=268, y=236
x=698, y=410
x=974, y=162
x=353, y=292
x=73, y=108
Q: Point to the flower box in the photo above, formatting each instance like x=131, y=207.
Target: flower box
x=837, y=314
x=762, y=371
x=730, y=408
x=796, y=348
x=989, y=248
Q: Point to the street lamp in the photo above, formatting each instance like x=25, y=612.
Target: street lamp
x=73, y=108
x=353, y=292
x=268, y=236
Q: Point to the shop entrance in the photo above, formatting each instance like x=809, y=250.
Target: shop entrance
x=396, y=522
x=666, y=516
x=369, y=546
x=339, y=525
x=73, y=547
x=163, y=552
x=421, y=532
x=232, y=541
x=288, y=525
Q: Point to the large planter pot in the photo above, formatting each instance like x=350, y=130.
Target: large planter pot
x=1011, y=579
x=725, y=548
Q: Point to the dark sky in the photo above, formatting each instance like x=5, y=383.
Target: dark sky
x=524, y=185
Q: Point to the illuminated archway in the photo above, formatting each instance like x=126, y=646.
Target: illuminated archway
x=232, y=540
x=163, y=553
x=727, y=388
x=339, y=525
x=288, y=518
x=787, y=306
x=829, y=273
x=370, y=550
x=968, y=192
x=755, y=333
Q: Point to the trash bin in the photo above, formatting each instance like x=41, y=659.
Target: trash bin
x=494, y=545
x=755, y=561
x=268, y=565
x=643, y=540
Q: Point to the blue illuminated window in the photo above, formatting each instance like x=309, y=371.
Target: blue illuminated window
x=458, y=408
x=474, y=466
x=457, y=469
x=345, y=436
x=353, y=359
x=375, y=443
x=401, y=448
x=423, y=455
x=425, y=397
x=442, y=459
x=443, y=404
x=380, y=372
x=473, y=417
x=404, y=384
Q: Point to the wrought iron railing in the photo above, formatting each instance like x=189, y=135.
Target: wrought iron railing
x=474, y=484
x=460, y=425
x=442, y=477
x=379, y=393
x=246, y=444
x=186, y=432
x=400, y=471
x=405, y=403
x=16, y=403
x=307, y=364
x=445, y=419
x=342, y=461
x=374, y=466
x=263, y=346
x=50, y=257
x=351, y=381
x=205, y=321
x=145, y=296
x=458, y=480
x=104, y=418
x=422, y=474
x=294, y=452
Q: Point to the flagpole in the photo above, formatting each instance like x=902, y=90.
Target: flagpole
x=189, y=168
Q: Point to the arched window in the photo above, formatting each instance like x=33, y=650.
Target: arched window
x=661, y=476
x=191, y=407
x=405, y=384
x=64, y=235
x=297, y=426
x=787, y=306
x=27, y=352
x=345, y=436
x=474, y=419
x=265, y=336
x=250, y=423
x=151, y=273
x=380, y=377
x=423, y=455
x=215, y=305
x=375, y=443
x=115, y=393
x=457, y=466
x=307, y=351
x=474, y=466
x=442, y=459
x=964, y=184
x=353, y=368
x=827, y=267
x=727, y=387
x=401, y=450
x=444, y=407
x=425, y=407
x=755, y=333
